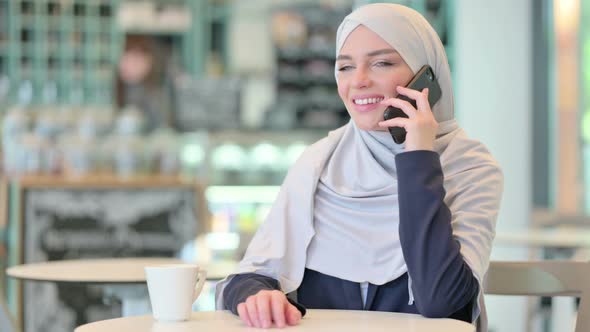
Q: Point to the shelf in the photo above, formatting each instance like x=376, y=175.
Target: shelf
x=27, y=21
x=65, y=26
x=241, y=194
x=28, y=49
x=100, y=181
x=49, y=35
x=299, y=54
x=154, y=30
x=305, y=81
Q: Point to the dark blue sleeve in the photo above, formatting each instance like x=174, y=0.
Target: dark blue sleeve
x=243, y=285
x=442, y=283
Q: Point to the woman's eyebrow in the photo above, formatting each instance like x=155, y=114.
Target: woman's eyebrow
x=370, y=54
x=381, y=52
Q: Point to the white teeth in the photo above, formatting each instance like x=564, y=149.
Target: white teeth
x=367, y=101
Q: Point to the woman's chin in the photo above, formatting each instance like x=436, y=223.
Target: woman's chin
x=369, y=126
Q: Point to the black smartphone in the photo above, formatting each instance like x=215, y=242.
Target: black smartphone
x=424, y=78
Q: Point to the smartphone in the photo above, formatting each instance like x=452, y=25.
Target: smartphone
x=424, y=78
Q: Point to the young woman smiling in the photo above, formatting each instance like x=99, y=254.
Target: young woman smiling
x=367, y=224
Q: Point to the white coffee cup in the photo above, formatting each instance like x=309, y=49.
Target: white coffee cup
x=173, y=288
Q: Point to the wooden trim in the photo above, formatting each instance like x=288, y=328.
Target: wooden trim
x=3, y=202
x=202, y=209
x=102, y=181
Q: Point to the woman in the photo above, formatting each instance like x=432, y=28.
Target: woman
x=143, y=81
x=364, y=223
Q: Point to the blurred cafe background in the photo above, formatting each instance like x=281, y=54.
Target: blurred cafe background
x=165, y=128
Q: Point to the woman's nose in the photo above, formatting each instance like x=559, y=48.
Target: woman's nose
x=361, y=78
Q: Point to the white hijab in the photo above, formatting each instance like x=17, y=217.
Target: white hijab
x=329, y=169
x=356, y=211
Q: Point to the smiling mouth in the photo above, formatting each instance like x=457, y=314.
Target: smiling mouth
x=367, y=101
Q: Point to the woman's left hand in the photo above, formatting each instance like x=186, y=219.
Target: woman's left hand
x=421, y=126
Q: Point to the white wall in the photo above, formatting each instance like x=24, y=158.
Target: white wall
x=493, y=85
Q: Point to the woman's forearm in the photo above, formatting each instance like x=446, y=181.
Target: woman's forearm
x=442, y=283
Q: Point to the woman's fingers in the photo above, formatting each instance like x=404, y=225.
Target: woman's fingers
x=293, y=314
x=405, y=106
x=410, y=93
x=278, y=303
x=252, y=307
x=422, y=101
x=421, y=126
x=421, y=97
x=243, y=313
x=395, y=122
x=268, y=307
x=264, y=313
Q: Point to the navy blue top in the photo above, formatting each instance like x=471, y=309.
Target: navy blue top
x=442, y=283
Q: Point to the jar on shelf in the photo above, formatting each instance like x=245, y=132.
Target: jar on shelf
x=163, y=152
x=129, y=156
x=80, y=155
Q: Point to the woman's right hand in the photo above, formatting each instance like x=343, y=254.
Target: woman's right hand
x=268, y=306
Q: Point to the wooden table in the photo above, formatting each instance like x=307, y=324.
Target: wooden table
x=314, y=320
x=124, y=277
x=105, y=271
x=547, y=237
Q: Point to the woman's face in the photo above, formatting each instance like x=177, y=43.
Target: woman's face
x=369, y=69
x=135, y=65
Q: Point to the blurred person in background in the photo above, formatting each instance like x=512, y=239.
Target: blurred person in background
x=144, y=82
x=363, y=223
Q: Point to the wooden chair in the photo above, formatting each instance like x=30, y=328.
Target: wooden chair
x=544, y=278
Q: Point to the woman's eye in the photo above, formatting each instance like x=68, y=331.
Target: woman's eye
x=383, y=64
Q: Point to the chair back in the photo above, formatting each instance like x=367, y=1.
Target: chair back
x=543, y=278
x=6, y=322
